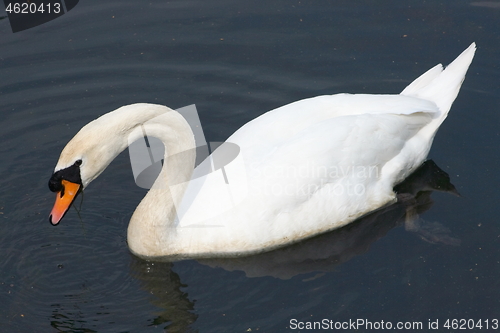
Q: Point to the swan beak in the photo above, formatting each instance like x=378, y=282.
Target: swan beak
x=64, y=199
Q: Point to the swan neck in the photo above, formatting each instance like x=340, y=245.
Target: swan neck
x=152, y=227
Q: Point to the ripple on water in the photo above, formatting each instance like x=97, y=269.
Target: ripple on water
x=69, y=276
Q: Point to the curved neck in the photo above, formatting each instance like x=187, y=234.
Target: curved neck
x=153, y=219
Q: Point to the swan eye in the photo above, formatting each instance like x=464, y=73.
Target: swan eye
x=78, y=162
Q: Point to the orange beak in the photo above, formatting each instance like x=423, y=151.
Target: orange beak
x=64, y=199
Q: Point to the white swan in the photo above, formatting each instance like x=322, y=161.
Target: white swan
x=308, y=167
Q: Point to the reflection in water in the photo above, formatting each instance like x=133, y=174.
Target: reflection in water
x=319, y=254
x=65, y=323
x=158, y=279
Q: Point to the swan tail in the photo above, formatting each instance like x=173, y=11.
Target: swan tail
x=442, y=86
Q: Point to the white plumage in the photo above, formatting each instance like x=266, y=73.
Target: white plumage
x=303, y=169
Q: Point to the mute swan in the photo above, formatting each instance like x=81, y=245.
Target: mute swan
x=306, y=168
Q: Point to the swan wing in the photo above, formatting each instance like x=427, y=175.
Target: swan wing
x=291, y=165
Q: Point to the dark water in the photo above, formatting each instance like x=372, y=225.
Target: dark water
x=236, y=60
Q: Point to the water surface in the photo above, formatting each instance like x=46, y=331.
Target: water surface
x=236, y=60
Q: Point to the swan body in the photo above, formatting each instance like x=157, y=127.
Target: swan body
x=305, y=168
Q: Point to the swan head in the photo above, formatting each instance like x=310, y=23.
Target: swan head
x=82, y=160
x=67, y=183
